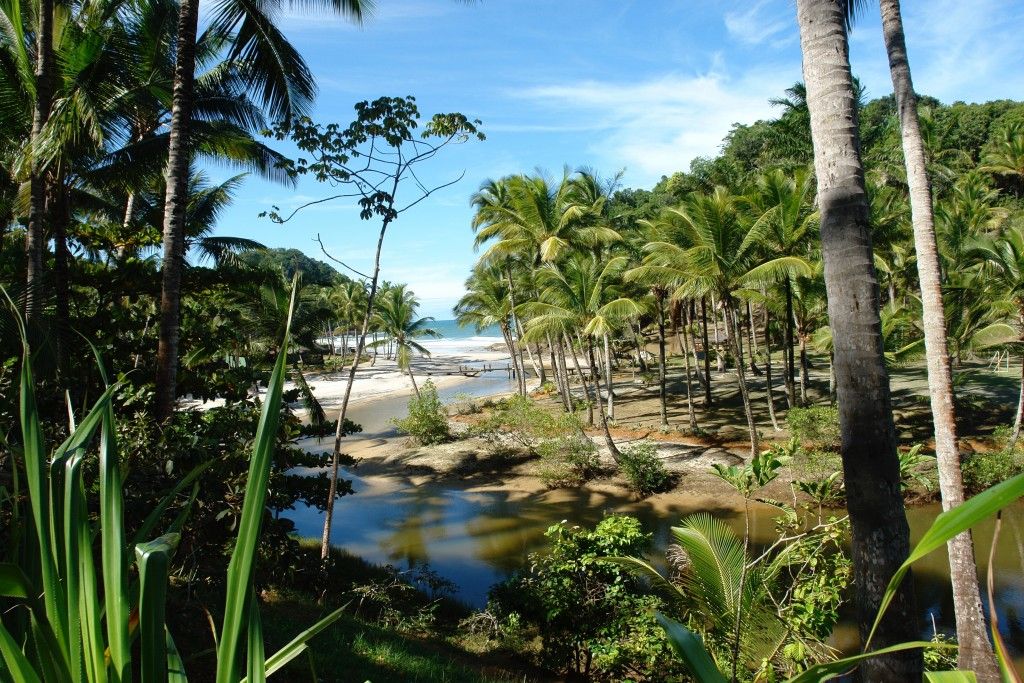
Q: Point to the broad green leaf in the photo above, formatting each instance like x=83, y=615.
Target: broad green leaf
x=14, y=583
x=153, y=559
x=112, y=548
x=257, y=660
x=690, y=648
x=828, y=670
x=175, y=665
x=950, y=677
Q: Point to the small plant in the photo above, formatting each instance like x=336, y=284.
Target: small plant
x=827, y=492
x=644, y=469
x=427, y=421
x=815, y=427
x=913, y=468
x=984, y=470
x=568, y=461
x=507, y=631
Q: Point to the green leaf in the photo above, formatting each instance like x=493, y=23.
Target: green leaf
x=690, y=648
x=14, y=659
x=240, y=568
x=153, y=517
x=297, y=645
x=14, y=583
x=175, y=665
x=257, y=658
x=950, y=677
x=112, y=548
x=153, y=560
x=823, y=672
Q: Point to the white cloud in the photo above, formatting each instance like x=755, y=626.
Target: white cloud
x=658, y=126
x=760, y=22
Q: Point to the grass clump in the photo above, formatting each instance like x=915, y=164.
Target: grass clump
x=568, y=461
x=644, y=469
x=427, y=421
x=984, y=469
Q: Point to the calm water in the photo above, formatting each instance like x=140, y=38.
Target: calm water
x=477, y=538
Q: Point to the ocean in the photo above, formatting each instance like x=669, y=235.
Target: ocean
x=460, y=341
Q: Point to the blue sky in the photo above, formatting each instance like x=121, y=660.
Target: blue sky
x=642, y=86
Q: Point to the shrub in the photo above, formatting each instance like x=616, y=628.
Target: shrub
x=427, y=421
x=982, y=470
x=816, y=427
x=644, y=469
x=568, y=461
x=592, y=617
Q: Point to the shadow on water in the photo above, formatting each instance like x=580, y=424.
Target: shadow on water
x=477, y=538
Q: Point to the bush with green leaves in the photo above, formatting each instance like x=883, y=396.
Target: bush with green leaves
x=643, y=468
x=983, y=469
x=593, y=617
x=816, y=427
x=568, y=461
x=427, y=421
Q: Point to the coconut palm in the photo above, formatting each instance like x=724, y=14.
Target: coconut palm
x=1006, y=157
x=783, y=203
x=277, y=75
x=707, y=249
x=881, y=536
x=579, y=296
x=974, y=653
x=396, y=316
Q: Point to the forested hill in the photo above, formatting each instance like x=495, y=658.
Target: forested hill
x=957, y=136
x=314, y=272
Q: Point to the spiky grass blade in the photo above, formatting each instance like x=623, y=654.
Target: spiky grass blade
x=14, y=659
x=298, y=644
x=243, y=557
x=175, y=665
x=112, y=548
x=257, y=660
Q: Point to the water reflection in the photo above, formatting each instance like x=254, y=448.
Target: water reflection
x=478, y=537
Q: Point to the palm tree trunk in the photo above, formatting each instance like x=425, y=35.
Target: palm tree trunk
x=803, y=368
x=975, y=652
x=707, y=355
x=563, y=389
x=175, y=204
x=609, y=442
x=685, y=344
x=639, y=349
x=753, y=341
x=339, y=427
x=517, y=355
x=880, y=534
x=733, y=323
x=412, y=378
x=565, y=375
x=583, y=381
x=60, y=218
x=769, y=391
x=35, y=240
x=662, y=395
x=608, y=378
x=1015, y=434
x=789, y=360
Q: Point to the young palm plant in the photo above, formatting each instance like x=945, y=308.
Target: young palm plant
x=396, y=315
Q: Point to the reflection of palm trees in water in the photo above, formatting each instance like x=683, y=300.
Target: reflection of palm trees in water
x=421, y=525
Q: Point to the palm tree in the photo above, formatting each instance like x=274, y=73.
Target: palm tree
x=881, y=537
x=279, y=77
x=579, y=295
x=974, y=653
x=1006, y=158
x=396, y=315
x=783, y=202
x=707, y=249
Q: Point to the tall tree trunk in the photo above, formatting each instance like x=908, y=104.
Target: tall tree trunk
x=35, y=238
x=707, y=355
x=974, y=653
x=662, y=395
x=769, y=391
x=640, y=361
x=175, y=205
x=880, y=534
x=517, y=351
x=608, y=441
x=339, y=427
x=563, y=389
x=60, y=218
x=803, y=368
x=1015, y=434
x=685, y=344
x=609, y=386
x=753, y=341
x=583, y=380
x=788, y=357
x=412, y=378
x=732, y=322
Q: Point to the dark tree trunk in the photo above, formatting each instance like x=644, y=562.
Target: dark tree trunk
x=685, y=344
x=975, y=652
x=662, y=395
x=880, y=535
x=769, y=391
x=789, y=358
x=35, y=238
x=707, y=356
x=60, y=219
x=175, y=205
x=608, y=441
x=735, y=335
